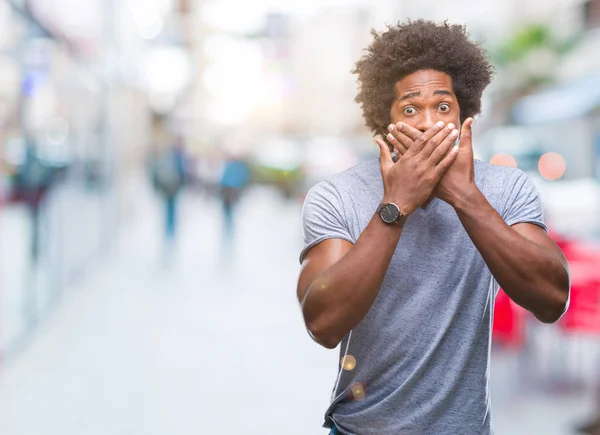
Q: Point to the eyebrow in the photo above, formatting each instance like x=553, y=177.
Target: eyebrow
x=409, y=95
x=418, y=94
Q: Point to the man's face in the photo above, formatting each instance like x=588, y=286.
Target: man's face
x=424, y=98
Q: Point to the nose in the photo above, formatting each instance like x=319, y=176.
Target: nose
x=426, y=120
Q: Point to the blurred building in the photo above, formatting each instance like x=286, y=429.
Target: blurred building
x=323, y=89
x=80, y=83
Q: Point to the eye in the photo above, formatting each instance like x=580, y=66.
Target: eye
x=444, y=107
x=409, y=110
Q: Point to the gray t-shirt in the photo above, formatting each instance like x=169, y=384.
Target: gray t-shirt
x=419, y=362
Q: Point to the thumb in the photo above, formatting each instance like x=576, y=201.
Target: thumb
x=385, y=156
x=466, y=134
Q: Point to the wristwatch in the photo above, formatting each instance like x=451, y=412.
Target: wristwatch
x=391, y=214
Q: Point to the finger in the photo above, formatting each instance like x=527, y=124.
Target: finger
x=466, y=134
x=385, y=141
x=400, y=138
x=399, y=146
x=424, y=138
x=426, y=203
x=445, y=164
x=440, y=152
x=408, y=130
x=437, y=140
x=385, y=156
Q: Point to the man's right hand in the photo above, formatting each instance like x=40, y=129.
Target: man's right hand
x=411, y=180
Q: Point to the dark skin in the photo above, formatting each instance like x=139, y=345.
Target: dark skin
x=339, y=281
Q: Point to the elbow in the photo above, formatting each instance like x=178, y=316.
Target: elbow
x=555, y=308
x=322, y=326
x=323, y=334
x=328, y=343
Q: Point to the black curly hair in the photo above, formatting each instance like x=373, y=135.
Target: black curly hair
x=418, y=45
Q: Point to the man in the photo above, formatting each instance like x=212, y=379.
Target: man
x=234, y=179
x=403, y=257
x=168, y=177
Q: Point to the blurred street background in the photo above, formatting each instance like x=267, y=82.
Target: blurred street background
x=154, y=157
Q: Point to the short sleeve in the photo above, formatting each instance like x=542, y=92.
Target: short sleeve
x=523, y=203
x=323, y=217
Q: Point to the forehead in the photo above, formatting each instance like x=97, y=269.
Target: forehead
x=426, y=81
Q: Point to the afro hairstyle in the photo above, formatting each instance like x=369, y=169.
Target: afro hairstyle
x=413, y=46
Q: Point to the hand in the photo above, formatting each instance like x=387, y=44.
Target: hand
x=459, y=180
x=410, y=181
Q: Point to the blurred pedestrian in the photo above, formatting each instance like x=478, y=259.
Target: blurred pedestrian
x=168, y=177
x=407, y=289
x=234, y=179
x=32, y=182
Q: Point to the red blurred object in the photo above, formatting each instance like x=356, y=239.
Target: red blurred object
x=583, y=315
x=508, y=328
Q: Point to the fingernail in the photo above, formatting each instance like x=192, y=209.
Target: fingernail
x=390, y=137
x=439, y=124
x=450, y=126
x=399, y=125
x=391, y=128
x=454, y=133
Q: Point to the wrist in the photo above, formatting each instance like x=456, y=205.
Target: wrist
x=405, y=208
x=466, y=197
x=391, y=214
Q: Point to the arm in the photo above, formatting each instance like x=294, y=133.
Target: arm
x=339, y=282
x=525, y=261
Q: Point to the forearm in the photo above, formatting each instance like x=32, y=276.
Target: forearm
x=340, y=297
x=532, y=275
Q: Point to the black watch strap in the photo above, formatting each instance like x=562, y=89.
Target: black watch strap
x=401, y=219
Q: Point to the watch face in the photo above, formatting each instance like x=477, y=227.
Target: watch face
x=389, y=213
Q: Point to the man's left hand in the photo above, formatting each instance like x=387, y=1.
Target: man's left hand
x=459, y=180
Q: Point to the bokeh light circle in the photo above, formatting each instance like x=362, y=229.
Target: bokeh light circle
x=348, y=362
x=552, y=166
x=502, y=159
x=358, y=391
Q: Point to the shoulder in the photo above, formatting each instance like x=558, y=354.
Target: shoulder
x=340, y=188
x=498, y=181
x=502, y=185
x=352, y=179
x=497, y=174
x=512, y=192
